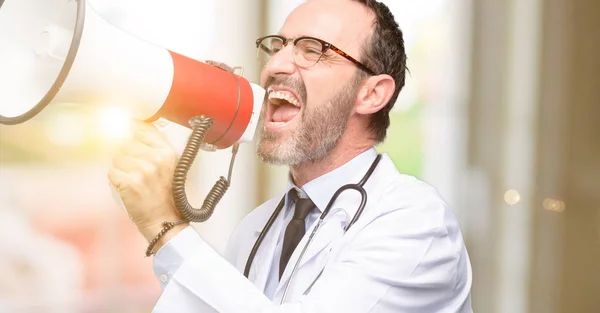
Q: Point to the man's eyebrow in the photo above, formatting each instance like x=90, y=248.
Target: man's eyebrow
x=311, y=35
x=297, y=36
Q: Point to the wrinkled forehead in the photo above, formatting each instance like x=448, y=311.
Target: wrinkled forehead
x=344, y=23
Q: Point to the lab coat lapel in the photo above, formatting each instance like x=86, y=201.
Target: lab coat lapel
x=316, y=254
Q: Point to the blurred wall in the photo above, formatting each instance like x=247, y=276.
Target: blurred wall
x=534, y=156
x=566, y=258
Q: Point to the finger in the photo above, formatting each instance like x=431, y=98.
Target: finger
x=136, y=149
x=143, y=126
x=148, y=156
x=118, y=179
x=131, y=165
x=150, y=136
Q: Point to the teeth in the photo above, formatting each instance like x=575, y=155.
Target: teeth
x=284, y=96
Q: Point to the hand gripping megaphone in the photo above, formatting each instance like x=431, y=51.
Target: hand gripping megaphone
x=62, y=51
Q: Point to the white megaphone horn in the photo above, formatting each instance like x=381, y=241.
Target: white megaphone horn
x=62, y=51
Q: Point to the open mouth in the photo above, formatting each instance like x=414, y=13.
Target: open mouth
x=284, y=107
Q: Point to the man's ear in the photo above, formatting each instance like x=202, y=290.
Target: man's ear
x=374, y=94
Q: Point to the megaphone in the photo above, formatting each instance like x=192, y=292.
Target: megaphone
x=62, y=51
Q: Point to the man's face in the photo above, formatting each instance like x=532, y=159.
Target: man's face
x=307, y=108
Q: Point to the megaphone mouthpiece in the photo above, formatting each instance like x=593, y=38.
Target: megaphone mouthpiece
x=228, y=99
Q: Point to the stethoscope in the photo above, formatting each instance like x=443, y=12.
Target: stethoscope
x=358, y=187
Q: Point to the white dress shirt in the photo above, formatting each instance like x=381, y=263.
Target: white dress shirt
x=405, y=254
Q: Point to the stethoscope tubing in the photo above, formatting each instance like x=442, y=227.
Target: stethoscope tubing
x=358, y=187
x=262, y=236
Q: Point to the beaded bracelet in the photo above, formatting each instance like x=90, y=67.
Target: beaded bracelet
x=166, y=227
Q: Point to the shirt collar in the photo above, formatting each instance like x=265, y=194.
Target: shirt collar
x=321, y=189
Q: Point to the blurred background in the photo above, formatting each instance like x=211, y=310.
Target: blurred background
x=501, y=113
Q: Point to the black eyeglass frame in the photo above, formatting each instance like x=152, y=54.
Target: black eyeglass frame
x=325, y=46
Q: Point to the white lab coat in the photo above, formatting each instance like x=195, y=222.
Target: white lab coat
x=404, y=255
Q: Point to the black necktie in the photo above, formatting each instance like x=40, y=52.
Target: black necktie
x=294, y=231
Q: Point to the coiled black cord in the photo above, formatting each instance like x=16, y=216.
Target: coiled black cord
x=200, y=126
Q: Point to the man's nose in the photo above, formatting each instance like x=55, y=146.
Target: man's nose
x=281, y=62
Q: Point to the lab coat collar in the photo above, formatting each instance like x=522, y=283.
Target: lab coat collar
x=321, y=189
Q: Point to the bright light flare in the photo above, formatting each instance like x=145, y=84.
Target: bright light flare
x=114, y=123
x=512, y=197
x=554, y=205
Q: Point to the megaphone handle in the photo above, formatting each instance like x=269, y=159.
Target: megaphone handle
x=200, y=126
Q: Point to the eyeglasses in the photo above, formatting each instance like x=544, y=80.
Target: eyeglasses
x=307, y=50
